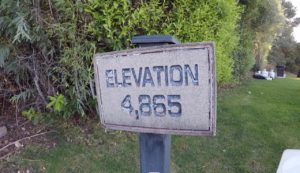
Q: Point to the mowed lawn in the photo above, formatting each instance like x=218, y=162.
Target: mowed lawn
x=255, y=123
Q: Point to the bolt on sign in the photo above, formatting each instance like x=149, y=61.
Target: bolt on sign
x=168, y=89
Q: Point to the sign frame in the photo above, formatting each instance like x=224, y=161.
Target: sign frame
x=211, y=131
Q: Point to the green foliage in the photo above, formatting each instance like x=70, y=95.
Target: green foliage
x=115, y=22
x=56, y=102
x=14, y=30
x=22, y=28
x=208, y=21
x=289, y=10
x=261, y=21
x=244, y=55
x=4, y=53
x=285, y=50
x=46, y=47
x=109, y=24
x=21, y=97
x=32, y=115
x=74, y=55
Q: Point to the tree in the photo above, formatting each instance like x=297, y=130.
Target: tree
x=260, y=23
x=285, y=49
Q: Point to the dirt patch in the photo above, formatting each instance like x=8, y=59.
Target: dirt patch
x=20, y=132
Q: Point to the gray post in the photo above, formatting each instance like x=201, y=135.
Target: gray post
x=155, y=153
x=154, y=148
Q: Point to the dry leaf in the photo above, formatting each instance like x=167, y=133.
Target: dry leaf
x=18, y=144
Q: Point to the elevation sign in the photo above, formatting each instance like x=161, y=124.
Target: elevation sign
x=168, y=89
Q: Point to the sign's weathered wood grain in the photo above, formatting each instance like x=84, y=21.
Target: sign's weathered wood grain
x=167, y=89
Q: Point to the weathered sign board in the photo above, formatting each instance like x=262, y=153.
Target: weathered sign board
x=168, y=89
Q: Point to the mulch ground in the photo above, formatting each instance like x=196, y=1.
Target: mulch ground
x=20, y=131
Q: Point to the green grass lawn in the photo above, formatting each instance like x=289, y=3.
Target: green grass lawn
x=256, y=122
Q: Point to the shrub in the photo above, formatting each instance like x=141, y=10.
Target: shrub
x=115, y=22
x=46, y=47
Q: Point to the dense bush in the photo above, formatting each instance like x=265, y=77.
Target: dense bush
x=46, y=47
x=45, y=51
x=244, y=57
x=115, y=22
x=193, y=21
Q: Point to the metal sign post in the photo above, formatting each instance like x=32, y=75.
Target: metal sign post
x=155, y=149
